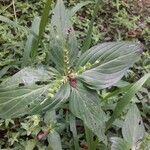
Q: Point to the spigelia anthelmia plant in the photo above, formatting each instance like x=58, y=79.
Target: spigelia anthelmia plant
x=74, y=78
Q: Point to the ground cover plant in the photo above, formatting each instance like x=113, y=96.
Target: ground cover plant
x=71, y=91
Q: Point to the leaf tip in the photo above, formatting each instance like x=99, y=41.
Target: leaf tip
x=140, y=48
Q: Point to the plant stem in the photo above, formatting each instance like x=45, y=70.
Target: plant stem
x=66, y=61
x=74, y=132
x=14, y=8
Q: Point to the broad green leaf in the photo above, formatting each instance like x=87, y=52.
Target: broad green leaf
x=50, y=104
x=27, y=76
x=62, y=36
x=31, y=43
x=73, y=48
x=56, y=48
x=18, y=102
x=31, y=100
x=60, y=19
x=85, y=104
x=109, y=62
x=133, y=128
x=119, y=144
x=20, y=94
x=124, y=101
x=108, y=51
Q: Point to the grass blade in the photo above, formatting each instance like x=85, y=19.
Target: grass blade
x=116, y=92
x=88, y=39
x=44, y=18
x=78, y=7
x=4, y=70
x=126, y=99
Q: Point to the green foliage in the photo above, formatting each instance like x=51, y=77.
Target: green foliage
x=127, y=98
x=88, y=39
x=119, y=144
x=132, y=131
x=85, y=105
x=145, y=144
x=73, y=92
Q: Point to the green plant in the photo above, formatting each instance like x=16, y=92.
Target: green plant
x=72, y=78
x=133, y=131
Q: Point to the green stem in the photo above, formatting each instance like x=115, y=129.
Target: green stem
x=66, y=61
x=74, y=131
x=117, y=5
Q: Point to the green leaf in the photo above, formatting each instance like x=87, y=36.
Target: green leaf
x=62, y=36
x=21, y=94
x=54, y=141
x=73, y=129
x=133, y=128
x=145, y=144
x=26, y=77
x=119, y=144
x=52, y=103
x=77, y=7
x=31, y=43
x=50, y=116
x=87, y=42
x=85, y=104
x=38, y=27
x=109, y=62
x=30, y=144
x=4, y=70
x=18, y=102
x=91, y=143
x=116, y=92
x=31, y=100
x=124, y=101
x=60, y=19
x=15, y=24
x=44, y=18
x=53, y=137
